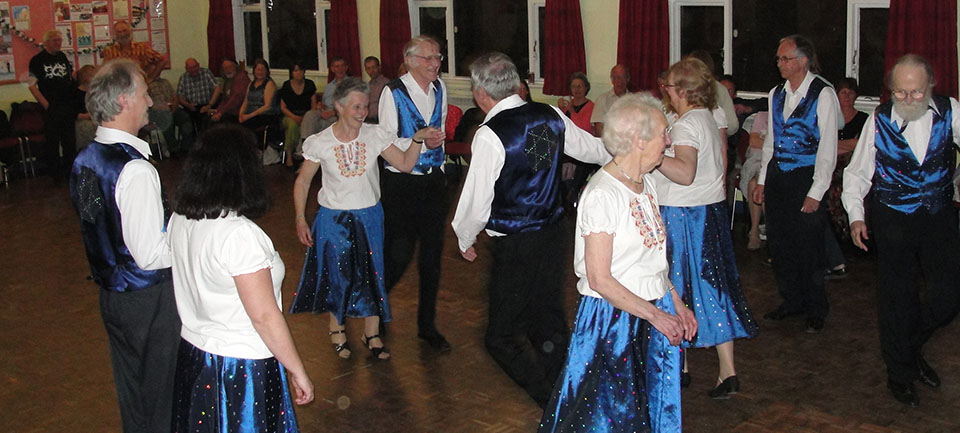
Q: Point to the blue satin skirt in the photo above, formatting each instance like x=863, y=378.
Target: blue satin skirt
x=621, y=375
x=703, y=268
x=220, y=394
x=343, y=270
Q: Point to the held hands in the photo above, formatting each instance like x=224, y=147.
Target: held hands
x=669, y=325
x=687, y=319
x=810, y=205
x=431, y=137
x=303, y=232
x=303, y=388
x=858, y=232
x=469, y=255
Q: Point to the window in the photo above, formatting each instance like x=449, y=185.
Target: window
x=468, y=28
x=283, y=32
x=849, y=37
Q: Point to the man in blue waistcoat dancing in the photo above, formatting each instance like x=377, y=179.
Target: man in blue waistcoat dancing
x=906, y=156
x=513, y=190
x=799, y=155
x=123, y=216
x=415, y=203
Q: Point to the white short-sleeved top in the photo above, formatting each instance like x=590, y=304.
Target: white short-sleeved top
x=350, y=177
x=207, y=254
x=639, y=259
x=696, y=128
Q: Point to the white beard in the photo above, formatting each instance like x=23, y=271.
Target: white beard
x=911, y=111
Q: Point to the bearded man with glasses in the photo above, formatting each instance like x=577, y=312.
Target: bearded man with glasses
x=906, y=155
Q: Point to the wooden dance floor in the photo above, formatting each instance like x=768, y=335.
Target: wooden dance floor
x=55, y=370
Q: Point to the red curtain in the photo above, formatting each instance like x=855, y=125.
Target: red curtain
x=644, y=41
x=394, y=34
x=219, y=34
x=563, y=46
x=927, y=28
x=344, y=36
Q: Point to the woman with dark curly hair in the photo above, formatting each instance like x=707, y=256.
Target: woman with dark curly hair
x=235, y=345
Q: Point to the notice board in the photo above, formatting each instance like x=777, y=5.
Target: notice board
x=86, y=26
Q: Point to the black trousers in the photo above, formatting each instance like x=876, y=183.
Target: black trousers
x=59, y=131
x=415, y=209
x=908, y=245
x=527, y=333
x=144, y=331
x=796, y=241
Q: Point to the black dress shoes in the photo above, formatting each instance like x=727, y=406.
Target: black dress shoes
x=904, y=393
x=435, y=340
x=725, y=389
x=928, y=376
x=780, y=313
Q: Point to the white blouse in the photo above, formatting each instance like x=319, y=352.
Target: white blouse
x=207, y=254
x=697, y=129
x=639, y=259
x=350, y=176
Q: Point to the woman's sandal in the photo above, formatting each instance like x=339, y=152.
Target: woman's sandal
x=342, y=349
x=380, y=353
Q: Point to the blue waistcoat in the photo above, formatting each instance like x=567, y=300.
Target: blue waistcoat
x=796, y=140
x=527, y=193
x=409, y=121
x=93, y=183
x=900, y=181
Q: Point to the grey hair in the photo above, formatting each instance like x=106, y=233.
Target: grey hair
x=411, y=47
x=115, y=78
x=629, y=118
x=496, y=74
x=347, y=86
x=806, y=49
x=915, y=60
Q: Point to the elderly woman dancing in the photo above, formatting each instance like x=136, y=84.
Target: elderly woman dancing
x=343, y=272
x=235, y=344
x=692, y=199
x=622, y=368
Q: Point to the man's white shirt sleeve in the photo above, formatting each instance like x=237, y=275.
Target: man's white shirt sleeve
x=142, y=221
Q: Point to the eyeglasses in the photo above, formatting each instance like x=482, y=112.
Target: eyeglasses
x=783, y=59
x=668, y=85
x=915, y=94
x=438, y=57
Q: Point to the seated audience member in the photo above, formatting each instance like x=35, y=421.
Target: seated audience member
x=259, y=109
x=123, y=46
x=84, y=127
x=579, y=109
x=224, y=105
x=296, y=99
x=748, y=176
x=195, y=89
x=313, y=121
x=620, y=79
x=743, y=107
x=168, y=116
x=377, y=80
x=236, y=351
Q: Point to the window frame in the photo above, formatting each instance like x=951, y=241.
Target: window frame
x=533, y=33
x=675, y=36
x=241, y=7
x=851, y=66
x=854, y=7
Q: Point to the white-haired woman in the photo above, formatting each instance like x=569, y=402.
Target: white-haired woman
x=622, y=370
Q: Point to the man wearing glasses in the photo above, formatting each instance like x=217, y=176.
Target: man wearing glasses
x=799, y=155
x=906, y=156
x=414, y=204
